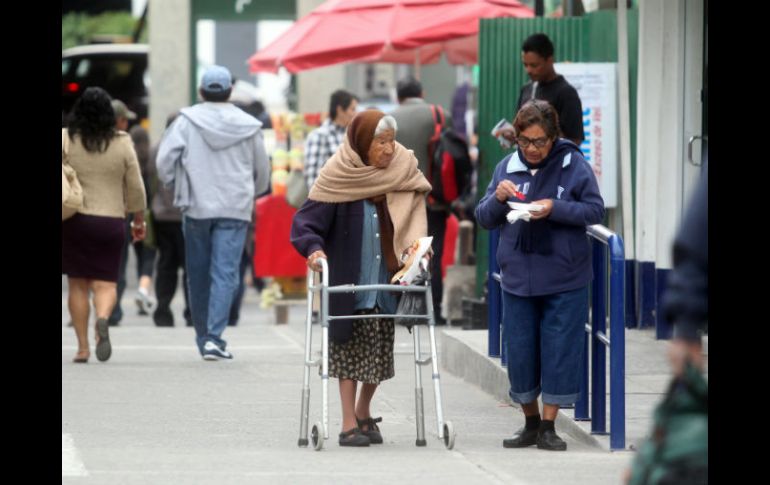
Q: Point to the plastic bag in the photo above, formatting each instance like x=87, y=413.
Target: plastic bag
x=413, y=303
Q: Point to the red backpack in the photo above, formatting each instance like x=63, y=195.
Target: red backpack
x=450, y=168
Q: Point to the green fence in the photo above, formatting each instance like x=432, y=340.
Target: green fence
x=591, y=38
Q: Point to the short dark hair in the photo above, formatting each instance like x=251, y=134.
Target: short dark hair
x=216, y=97
x=538, y=112
x=538, y=43
x=340, y=98
x=409, y=87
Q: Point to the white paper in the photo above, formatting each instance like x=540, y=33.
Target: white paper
x=515, y=215
x=502, y=124
x=521, y=206
x=414, y=269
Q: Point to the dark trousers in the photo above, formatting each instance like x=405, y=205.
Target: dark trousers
x=170, y=240
x=145, y=264
x=437, y=229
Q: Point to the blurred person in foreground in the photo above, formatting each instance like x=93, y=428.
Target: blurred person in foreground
x=362, y=215
x=676, y=451
x=93, y=239
x=545, y=263
x=214, y=156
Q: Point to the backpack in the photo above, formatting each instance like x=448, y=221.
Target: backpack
x=450, y=168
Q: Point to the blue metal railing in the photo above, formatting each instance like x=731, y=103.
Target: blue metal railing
x=602, y=240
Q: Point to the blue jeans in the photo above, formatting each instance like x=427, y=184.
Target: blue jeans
x=544, y=341
x=213, y=249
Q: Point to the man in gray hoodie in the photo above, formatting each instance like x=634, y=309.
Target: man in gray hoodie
x=214, y=156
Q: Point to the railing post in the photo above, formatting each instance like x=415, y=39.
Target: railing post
x=494, y=309
x=598, y=352
x=618, y=345
x=581, y=406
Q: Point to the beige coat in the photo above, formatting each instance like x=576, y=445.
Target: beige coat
x=111, y=180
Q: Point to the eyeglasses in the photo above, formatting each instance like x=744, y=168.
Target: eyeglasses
x=524, y=142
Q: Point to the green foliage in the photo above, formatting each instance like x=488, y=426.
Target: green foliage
x=79, y=28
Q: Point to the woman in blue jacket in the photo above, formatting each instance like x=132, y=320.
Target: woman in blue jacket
x=545, y=265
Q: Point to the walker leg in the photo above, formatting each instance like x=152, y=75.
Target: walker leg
x=418, y=401
x=434, y=365
x=305, y=406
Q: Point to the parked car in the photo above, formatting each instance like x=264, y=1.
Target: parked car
x=121, y=69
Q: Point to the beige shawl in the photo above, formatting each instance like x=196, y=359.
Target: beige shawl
x=345, y=178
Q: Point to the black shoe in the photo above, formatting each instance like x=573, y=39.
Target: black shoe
x=354, y=437
x=372, y=431
x=103, y=346
x=523, y=438
x=113, y=323
x=549, y=440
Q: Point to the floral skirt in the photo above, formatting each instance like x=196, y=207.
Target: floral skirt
x=368, y=355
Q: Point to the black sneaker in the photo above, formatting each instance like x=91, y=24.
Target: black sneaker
x=524, y=437
x=549, y=440
x=372, y=431
x=212, y=351
x=354, y=437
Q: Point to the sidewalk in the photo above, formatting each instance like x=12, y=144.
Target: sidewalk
x=156, y=413
x=647, y=377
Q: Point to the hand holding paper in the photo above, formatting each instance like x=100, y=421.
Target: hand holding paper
x=412, y=266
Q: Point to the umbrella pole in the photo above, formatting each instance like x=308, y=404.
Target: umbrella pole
x=417, y=63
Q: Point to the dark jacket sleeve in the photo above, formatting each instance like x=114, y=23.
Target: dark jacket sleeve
x=311, y=226
x=490, y=212
x=587, y=206
x=685, y=303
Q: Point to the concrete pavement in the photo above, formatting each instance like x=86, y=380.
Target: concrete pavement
x=157, y=413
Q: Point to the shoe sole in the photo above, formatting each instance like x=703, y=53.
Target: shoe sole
x=211, y=357
x=103, y=347
x=548, y=448
x=517, y=446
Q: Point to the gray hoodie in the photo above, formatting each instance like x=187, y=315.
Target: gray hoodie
x=214, y=156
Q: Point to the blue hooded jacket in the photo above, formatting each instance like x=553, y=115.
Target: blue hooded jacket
x=577, y=203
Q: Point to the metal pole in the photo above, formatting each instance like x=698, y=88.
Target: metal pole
x=618, y=347
x=624, y=110
x=598, y=351
x=434, y=366
x=494, y=309
x=305, y=408
x=418, y=400
x=325, y=346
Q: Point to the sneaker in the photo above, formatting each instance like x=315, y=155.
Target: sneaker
x=211, y=351
x=144, y=301
x=523, y=438
x=549, y=440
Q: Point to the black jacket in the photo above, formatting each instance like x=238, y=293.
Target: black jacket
x=336, y=229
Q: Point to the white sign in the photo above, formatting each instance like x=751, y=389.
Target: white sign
x=596, y=84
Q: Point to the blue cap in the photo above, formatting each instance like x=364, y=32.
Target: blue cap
x=216, y=79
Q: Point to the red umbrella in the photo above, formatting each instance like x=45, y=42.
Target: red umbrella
x=384, y=31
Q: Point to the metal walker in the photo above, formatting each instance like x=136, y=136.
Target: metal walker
x=320, y=430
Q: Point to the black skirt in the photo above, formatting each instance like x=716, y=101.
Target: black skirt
x=91, y=247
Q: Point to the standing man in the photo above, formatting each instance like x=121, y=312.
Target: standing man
x=214, y=155
x=415, y=129
x=537, y=57
x=323, y=142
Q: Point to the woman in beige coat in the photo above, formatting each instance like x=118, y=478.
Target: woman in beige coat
x=92, y=240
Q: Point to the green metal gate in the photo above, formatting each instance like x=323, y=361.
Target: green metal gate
x=591, y=38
